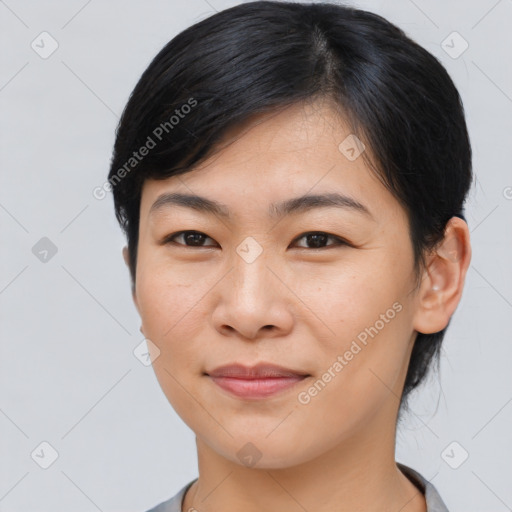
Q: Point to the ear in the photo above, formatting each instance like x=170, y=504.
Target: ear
x=443, y=279
x=126, y=258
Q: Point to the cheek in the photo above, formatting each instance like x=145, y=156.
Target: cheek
x=350, y=297
x=166, y=297
x=173, y=304
x=366, y=311
x=169, y=307
x=359, y=374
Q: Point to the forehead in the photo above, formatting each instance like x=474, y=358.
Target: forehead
x=273, y=158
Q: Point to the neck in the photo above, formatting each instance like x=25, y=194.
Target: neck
x=360, y=473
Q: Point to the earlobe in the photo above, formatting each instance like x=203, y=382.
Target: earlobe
x=126, y=256
x=443, y=279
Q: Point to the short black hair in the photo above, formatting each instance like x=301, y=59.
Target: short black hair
x=260, y=57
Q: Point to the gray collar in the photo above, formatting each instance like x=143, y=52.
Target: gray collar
x=432, y=498
x=434, y=501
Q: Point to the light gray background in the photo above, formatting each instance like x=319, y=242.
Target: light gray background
x=68, y=326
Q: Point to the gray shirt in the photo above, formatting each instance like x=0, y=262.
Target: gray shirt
x=434, y=501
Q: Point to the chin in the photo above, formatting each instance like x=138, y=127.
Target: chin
x=261, y=452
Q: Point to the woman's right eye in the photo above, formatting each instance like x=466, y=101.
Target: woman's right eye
x=194, y=238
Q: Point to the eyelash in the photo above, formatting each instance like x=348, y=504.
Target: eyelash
x=339, y=241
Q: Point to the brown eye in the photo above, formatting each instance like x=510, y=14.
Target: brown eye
x=313, y=240
x=318, y=240
x=190, y=239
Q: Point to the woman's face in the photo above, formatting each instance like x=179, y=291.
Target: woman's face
x=251, y=286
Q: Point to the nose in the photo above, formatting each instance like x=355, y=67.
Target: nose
x=253, y=301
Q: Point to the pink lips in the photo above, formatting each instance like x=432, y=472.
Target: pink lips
x=260, y=381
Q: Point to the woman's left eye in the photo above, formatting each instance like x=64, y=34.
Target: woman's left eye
x=319, y=238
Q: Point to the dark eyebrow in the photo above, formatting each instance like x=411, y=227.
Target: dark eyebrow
x=277, y=210
x=309, y=202
x=201, y=204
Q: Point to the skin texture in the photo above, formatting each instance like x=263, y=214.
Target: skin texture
x=296, y=306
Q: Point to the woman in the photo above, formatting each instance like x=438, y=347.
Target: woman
x=291, y=180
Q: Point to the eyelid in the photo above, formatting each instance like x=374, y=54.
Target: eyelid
x=338, y=239
x=168, y=239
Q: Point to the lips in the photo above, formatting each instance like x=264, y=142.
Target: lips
x=259, y=371
x=257, y=382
